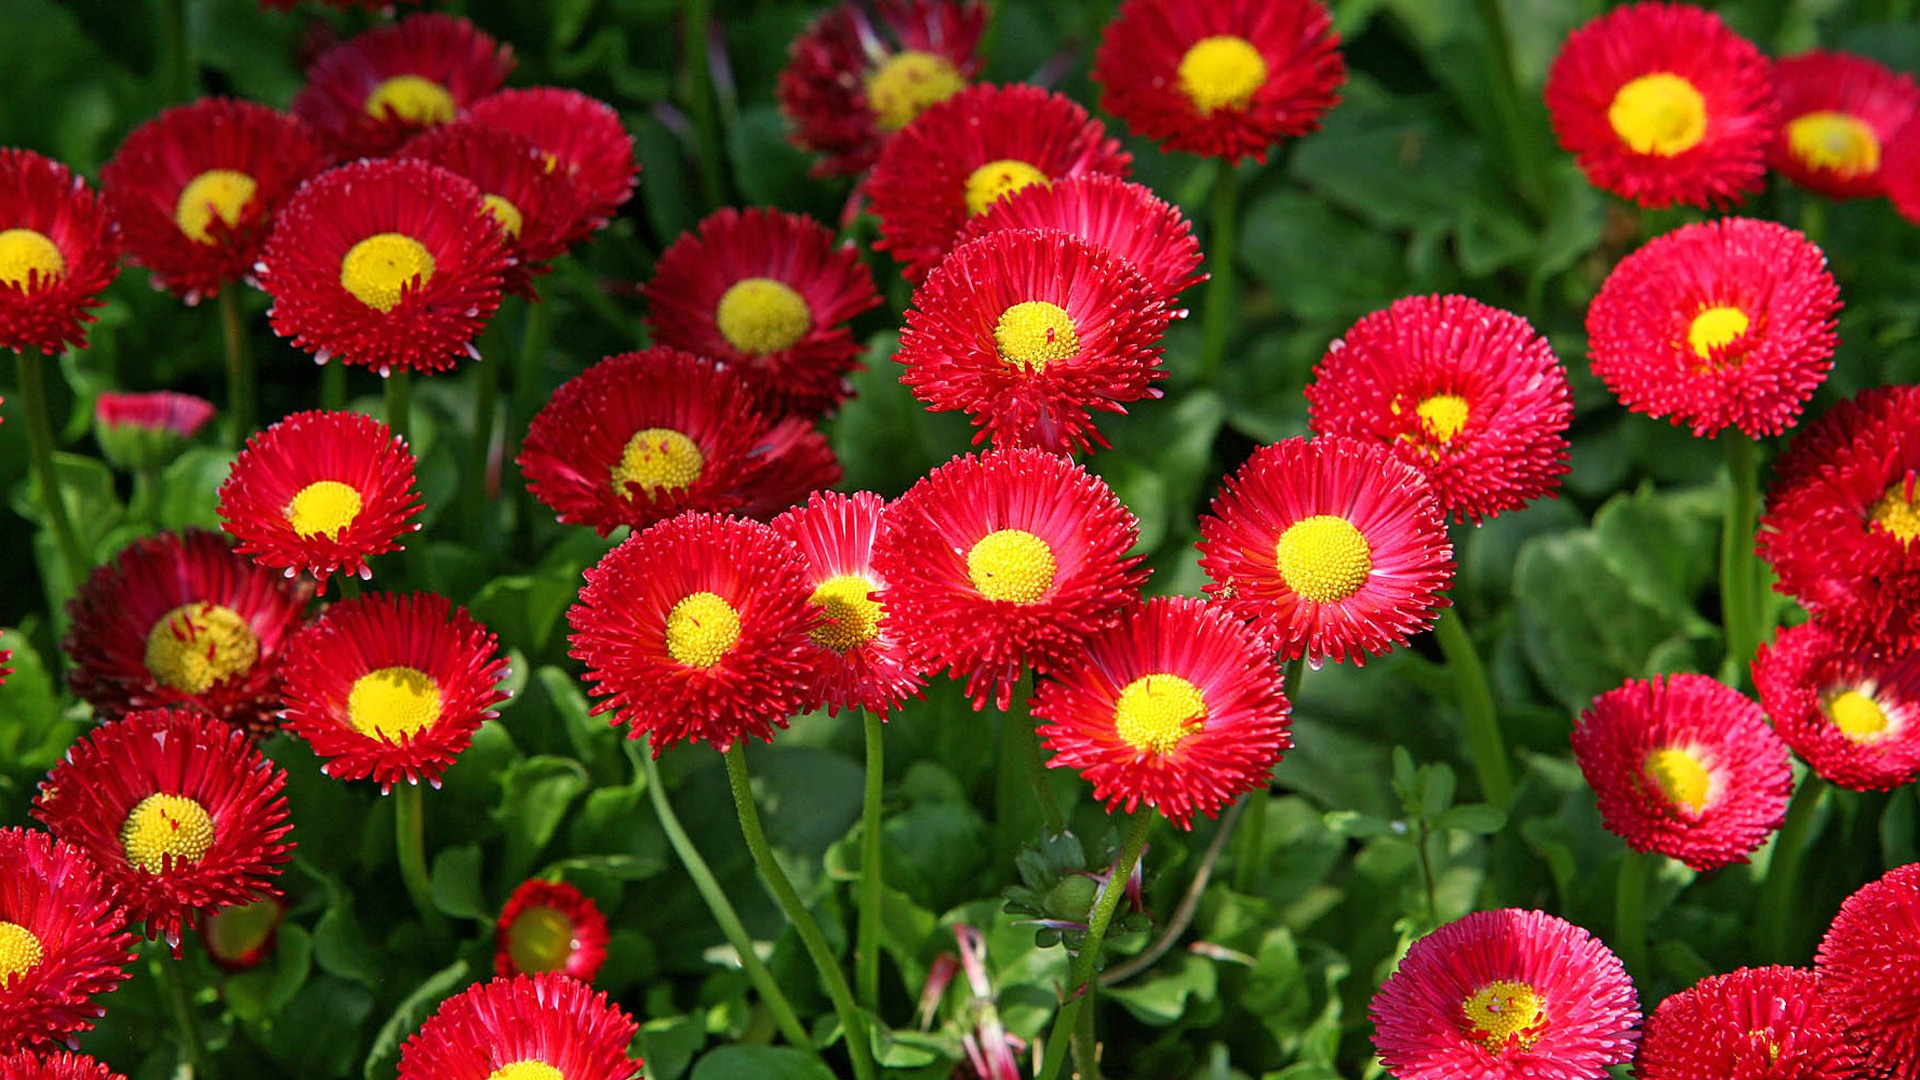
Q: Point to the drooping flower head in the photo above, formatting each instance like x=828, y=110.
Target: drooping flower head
x=1470, y=395
x=549, y=926
x=367, y=95
x=1332, y=548
x=1769, y=1023
x=529, y=1027
x=180, y=812
x=1852, y=714
x=1220, y=79
x=1727, y=323
x=1125, y=218
x=59, y=1065
x=392, y=687
x=1838, y=112
x=855, y=77
x=1662, y=104
x=961, y=155
x=182, y=619
x=582, y=136
x=999, y=561
x=1866, y=963
x=1026, y=330
x=386, y=264
x=61, y=941
x=770, y=295
x=196, y=188
x=147, y=430
x=58, y=251
x=1506, y=995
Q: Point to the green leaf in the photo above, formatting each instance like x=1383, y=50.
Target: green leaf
x=341, y=948
x=524, y=610
x=259, y=994
x=535, y=796
x=456, y=883
x=668, y=1045
x=189, y=488
x=1161, y=998
x=408, y=1016
x=1477, y=818
x=759, y=1063
x=32, y=735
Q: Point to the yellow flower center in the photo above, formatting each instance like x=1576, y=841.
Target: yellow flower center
x=907, y=83
x=164, y=827
x=412, y=98
x=1323, y=558
x=1034, y=333
x=393, y=703
x=1221, y=71
x=323, y=507
x=504, y=212
x=1898, y=513
x=221, y=192
x=379, y=269
x=24, y=253
x=658, y=459
x=1858, y=716
x=197, y=645
x=1012, y=565
x=760, y=316
x=1442, y=417
x=996, y=179
x=1156, y=711
x=850, y=616
x=1501, y=1012
x=19, y=952
x=1660, y=114
x=540, y=939
x=530, y=1069
x=1834, y=142
x=1682, y=777
x=700, y=630
x=1715, y=328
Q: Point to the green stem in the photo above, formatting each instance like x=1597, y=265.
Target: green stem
x=1813, y=218
x=867, y=946
x=1427, y=879
x=33, y=402
x=1021, y=792
x=409, y=842
x=240, y=397
x=1630, y=912
x=400, y=405
x=1086, y=1044
x=1484, y=742
x=1508, y=96
x=349, y=586
x=721, y=908
x=1737, y=564
x=1222, y=228
x=176, y=61
x=527, y=385
x=146, y=495
x=1080, y=975
x=796, y=911
x=1249, y=872
x=706, y=128
x=180, y=1005
x=1790, y=847
x=486, y=402
x=333, y=385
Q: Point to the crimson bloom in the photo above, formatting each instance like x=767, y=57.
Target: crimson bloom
x=61, y=941
x=58, y=251
x=370, y=93
x=549, y=926
x=60, y=1065
x=1838, y=112
x=1125, y=218
x=1900, y=170
x=529, y=1027
x=1751, y=1024
x=1866, y=963
x=541, y=213
x=1851, y=714
x=582, y=136
x=146, y=431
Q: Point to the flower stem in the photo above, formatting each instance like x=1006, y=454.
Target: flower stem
x=1249, y=873
x=240, y=397
x=400, y=405
x=1790, y=847
x=474, y=490
x=1630, y=912
x=867, y=947
x=698, y=21
x=1484, y=741
x=1222, y=228
x=409, y=843
x=796, y=911
x=33, y=402
x=1021, y=755
x=1080, y=986
x=527, y=381
x=1737, y=564
x=1508, y=95
x=349, y=586
x=176, y=61
x=333, y=386
x=180, y=1005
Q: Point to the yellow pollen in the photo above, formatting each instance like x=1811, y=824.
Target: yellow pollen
x=323, y=507
x=1323, y=558
x=1155, y=712
x=658, y=459
x=1221, y=72
x=1682, y=777
x=1442, y=417
x=217, y=192
x=412, y=98
x=1898, y=511
x=1834, y=142
x=1858, y=716
x=760, y=316
x=164, y=827
x=381, y=268
x=19, y=952
x=700, y=630
x=393, y=703
x=24, y=254
x=1660, y=114
x=850, y=616
x=1503, y=1012
x=540, y=939
x=197, y=645
x=504, y=212
x=989, y=183
x=1033, y=334
x=906, y=84
x=1012, y=565
x=1715, y=328
x=530, y=1069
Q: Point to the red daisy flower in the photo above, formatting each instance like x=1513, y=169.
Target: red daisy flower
x=1506, y=995
x=1728, y=323
x=1662, y=104
x=1866, y=963
x=529, y=1027
x=539, y=210
x=549, y=926
x=798, y=461
x=195, y=190
x=1177, y=706
x=386, y=264
x=866, y=664
x=853, y=80
x=146, y=431
x=1900, y=170
x=61, y=941
x=697, y=629
x=1470, y=395
x=1026, y=330
x=180, y=812
x=964, y=153
x=240, y=936
x=182, y=619
x=5, y=669
x=319, y=492
x=581, y=136
x=58, y=250
x=1001, y=560
x=1837, y=112
x=769, y=294
x=1841, y=526
x=61, y=1065
x=1125, y=218
x=1222, y=80
x=367, y=95
x=1752, y=1024
x=392, y=688
x=1684, y=766
x=1851, y=714
x=1332, y=548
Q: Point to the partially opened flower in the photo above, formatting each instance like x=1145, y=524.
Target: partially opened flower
x=240, y=936
x=180, y=812
x=60, y=1065
x=61, y=941
x=58, y=250
x=769, y=294
x=1125, y=218
x=1728, y=323
x=196, y=188
x=1470, y=395
x=1866, y=963
x=372, y=92
x=1769, y=1023
x=1838, y=112
x=581, y=136
x=391, y=688
x=1506, y=995
x=1852, y=714
x=1663, y=104
x=529, y=1027
x=549, y=926
x=1332, y=548
x=146, y=431
x=1221, y=79
x=539, y=210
